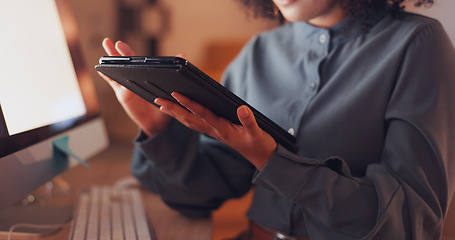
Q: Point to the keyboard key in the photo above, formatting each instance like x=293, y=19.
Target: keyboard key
x=108, y=213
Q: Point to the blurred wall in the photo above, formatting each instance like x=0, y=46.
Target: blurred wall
x=193, y=25
x=200, y=22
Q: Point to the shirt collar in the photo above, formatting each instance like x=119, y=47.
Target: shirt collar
x=334, y=36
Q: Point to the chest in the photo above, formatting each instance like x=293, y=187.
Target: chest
x=335, y=104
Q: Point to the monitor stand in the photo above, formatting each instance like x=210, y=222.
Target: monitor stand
x=33, y=210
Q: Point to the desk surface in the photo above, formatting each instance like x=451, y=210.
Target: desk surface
x=108, y=167
x=114, y=164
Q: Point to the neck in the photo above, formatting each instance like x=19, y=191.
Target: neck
x=330, y=18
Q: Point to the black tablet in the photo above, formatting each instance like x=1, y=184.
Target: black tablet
x=153, y=77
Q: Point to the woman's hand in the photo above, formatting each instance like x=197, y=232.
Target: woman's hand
x=147, y=116
x=248, y=139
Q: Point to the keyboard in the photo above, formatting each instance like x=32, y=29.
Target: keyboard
x=110, y=213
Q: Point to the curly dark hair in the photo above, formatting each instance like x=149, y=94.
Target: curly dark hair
x=358, y=9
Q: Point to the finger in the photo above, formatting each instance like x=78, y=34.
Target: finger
x=109, y=47
x=182, y=115
x=200, y=111
x=246, y=117
x=124, y=49
x=175, y=110
x=212, y=124
x=181, y=55
x=191, y=105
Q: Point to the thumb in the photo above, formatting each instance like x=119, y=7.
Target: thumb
x=246, y=117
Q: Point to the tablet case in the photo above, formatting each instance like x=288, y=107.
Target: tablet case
x=153, y=77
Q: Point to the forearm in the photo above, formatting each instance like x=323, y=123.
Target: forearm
x=394, y=200
x=193, y=174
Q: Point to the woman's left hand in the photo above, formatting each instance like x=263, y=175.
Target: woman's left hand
x=248, y=139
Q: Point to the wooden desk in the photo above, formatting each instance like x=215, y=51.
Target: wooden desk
x=106, y=169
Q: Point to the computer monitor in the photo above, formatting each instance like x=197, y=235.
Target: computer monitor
x=46, y=94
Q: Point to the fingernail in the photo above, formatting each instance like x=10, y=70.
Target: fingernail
x=175, y=96
x=243, y=112
x=122, y=46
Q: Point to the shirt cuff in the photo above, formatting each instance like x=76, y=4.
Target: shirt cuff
x=285, y=173
x=141, y=137
x=168, y=144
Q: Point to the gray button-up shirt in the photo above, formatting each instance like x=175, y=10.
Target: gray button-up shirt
x=373, y=113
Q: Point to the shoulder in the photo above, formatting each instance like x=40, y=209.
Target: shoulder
x=414, y=19
x=406, y=25
x=404, y=30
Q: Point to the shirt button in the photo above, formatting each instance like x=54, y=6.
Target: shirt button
x=291, y=131
x=322, y=38
x=312, y=85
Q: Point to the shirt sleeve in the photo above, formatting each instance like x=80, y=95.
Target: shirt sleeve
x=407, y=193
x=192, y=173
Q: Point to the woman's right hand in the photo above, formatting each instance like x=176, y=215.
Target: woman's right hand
x=147, y=116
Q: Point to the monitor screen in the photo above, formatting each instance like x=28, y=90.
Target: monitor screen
x=26, y=101
x=45, y=93
x=43, y=80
